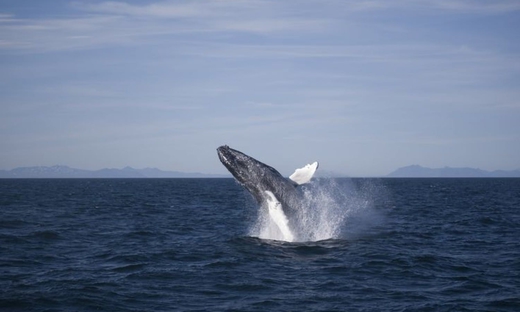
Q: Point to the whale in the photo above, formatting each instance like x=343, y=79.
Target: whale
x=269, y=188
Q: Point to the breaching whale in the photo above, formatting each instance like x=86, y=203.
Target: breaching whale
x=268, y=186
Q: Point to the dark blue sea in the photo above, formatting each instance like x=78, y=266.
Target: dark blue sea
x=201, y=245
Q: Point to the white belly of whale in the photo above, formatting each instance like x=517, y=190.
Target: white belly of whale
x=278, y=217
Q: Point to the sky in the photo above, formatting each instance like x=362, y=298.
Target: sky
x=363, y=87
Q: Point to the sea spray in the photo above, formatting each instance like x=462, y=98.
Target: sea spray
x=328, y=211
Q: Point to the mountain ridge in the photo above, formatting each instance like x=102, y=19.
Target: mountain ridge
x=60, y=171
x=417, y=171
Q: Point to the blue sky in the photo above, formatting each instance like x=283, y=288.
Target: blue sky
x=363, y=87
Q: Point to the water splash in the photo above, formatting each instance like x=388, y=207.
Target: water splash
x=330, y=209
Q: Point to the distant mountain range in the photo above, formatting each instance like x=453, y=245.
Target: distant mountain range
x=417, y=171
x=127, y=172
x=414, y=171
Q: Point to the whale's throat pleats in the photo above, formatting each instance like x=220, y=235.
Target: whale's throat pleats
x=278, y=217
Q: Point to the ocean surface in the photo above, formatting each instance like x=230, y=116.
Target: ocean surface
x=204, y=245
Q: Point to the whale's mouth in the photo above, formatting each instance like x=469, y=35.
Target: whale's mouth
x=229, y=158
x=223, y=154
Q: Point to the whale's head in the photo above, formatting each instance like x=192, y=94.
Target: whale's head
x=249, y=172
x=244, y=168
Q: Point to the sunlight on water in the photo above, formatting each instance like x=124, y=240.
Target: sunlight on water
x=329, y=210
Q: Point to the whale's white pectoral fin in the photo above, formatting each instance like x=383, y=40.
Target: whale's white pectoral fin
x=304, y=175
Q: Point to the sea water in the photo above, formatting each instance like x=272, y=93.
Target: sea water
x=203, y=245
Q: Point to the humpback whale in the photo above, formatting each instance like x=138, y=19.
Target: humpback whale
x=268, y=186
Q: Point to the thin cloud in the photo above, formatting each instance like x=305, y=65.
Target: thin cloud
x=217, y=16
x=229, y=8
x=375, y=52
x=479, y=6
x=40, y=35
x=121, y=23
x=457, y=6
x=177, y=9
x=161, y=10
